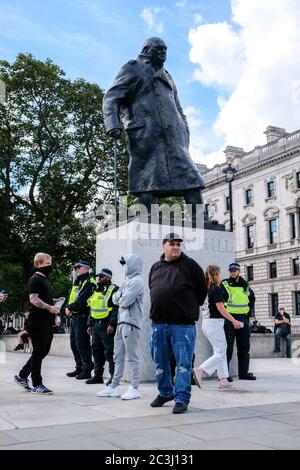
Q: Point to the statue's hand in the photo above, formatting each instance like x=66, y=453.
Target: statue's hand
x=114, y=133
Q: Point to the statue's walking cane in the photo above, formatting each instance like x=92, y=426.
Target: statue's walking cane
x=115, y=173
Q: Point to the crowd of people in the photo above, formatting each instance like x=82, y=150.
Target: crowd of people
x=112, y=315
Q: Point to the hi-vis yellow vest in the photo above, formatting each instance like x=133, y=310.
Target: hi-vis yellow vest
x=238, y=301
x=76, y=289
x=98, y=303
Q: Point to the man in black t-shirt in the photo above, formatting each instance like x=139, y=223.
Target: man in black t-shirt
x=283, y=329
x=40, y=324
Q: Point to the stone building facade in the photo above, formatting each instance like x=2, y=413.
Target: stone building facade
x=266, y=216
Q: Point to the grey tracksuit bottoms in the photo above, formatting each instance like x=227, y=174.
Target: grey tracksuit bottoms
x=126, y=347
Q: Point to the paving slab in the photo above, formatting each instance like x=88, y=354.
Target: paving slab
x=87, y=442
x=284, y=440
x=222, y=444
x=288, y=418
x=75, y=418
x=4, y=424
x=5, y=439
x=149, y=439
x=236, y=428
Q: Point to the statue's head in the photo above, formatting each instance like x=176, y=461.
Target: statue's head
x=155, y=49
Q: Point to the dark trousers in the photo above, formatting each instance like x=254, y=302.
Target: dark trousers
x=280, y=333
x=80, y=343
x=242, y=337
x=41, y=337
x=102, y=349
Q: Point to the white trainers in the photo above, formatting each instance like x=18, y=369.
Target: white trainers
x=109, y=392
x=131, y=394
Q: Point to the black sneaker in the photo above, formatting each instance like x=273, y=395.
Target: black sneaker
x=230, y=379
x=94, y=380
x=83, y=375
x=160, y=401
x=179, y=408
x=74, y=373
x=247, y=377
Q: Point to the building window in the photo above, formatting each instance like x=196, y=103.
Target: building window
x=273, y=269
x=227, y=203
x=293, y=226
x=206, y=209
x=271, y=189
x=273, y=232
x=250, y=236
x=249, y=196
x=250, y=275
x=296, y=267
x=273, y=304
x=298, y=179
x=297, y=303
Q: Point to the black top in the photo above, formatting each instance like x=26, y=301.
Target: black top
x=215, y=295
x=2, y=327
x=40, y=285
x=239, y=282
x=80, y=304
x=177, y=289
x=286, y=328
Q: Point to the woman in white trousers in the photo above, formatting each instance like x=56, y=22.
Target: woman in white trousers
x=213, y=329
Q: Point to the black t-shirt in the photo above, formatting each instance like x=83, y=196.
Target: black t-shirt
x=215, y=295
x=40, y=285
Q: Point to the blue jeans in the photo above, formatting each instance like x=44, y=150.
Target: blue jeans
x=177, y=340
x=278, y=335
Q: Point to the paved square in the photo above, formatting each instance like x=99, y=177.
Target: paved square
x=250, y=417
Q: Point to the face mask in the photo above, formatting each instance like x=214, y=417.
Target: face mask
x=125, y=269
x=45, y=270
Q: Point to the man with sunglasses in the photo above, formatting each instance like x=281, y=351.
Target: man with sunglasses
x=239, y=301
x=78, y=309
x=102, y=325
x=283, y=329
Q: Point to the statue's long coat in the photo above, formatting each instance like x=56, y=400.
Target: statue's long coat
x=156, y=128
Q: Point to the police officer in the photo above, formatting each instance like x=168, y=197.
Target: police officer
x=78, y=309
x=102, y=325
x=239, y=301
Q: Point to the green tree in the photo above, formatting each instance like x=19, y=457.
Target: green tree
x=56, y=167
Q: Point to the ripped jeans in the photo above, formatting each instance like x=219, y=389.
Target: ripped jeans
x=179, y=340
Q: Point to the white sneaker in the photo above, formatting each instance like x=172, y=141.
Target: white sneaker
x=109, y=392
x=131, y=394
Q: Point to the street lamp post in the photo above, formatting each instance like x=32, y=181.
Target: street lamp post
x=229, y=177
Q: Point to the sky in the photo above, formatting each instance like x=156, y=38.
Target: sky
x=235, y=62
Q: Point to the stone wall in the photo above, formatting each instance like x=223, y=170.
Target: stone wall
x=262, y=346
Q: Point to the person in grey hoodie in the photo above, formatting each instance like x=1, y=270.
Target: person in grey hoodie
x=129, y=298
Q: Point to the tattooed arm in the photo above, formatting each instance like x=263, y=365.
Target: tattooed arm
x=37, y=302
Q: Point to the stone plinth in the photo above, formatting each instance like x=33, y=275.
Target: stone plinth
x=204, y=246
